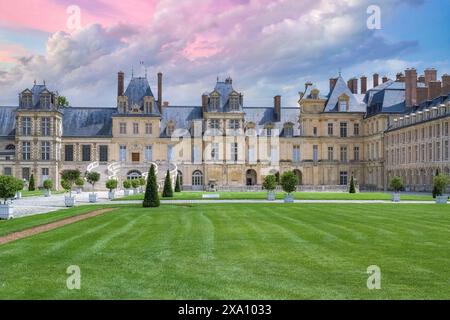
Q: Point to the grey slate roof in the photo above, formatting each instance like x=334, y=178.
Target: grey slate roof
x=339, y=89
x=87, y=122
x=180, y=115
x=225, y=89
x=7, y=121
x=137, y=89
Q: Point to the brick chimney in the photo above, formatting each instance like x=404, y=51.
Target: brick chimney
x=434, y=89
x=411, y=87
x=277, y=107
x=400, y=77
x=422, y=79
x=120, y=83
x=430, y=75
x=332, y=83
x=376, y=80
x=160, y=77
x=353, y=85
x=422, y=94
x=445, y=84
x=363, y=85
x=385, y=79
x=205, y=100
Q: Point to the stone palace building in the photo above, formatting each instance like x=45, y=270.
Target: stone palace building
x=399, y=127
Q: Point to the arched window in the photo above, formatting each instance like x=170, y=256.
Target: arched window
x=289, y=130
x=134, y=174
x=10, y=147
x=170, y=129
x=197, y=178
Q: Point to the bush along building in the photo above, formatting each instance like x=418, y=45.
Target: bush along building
x=397, y=128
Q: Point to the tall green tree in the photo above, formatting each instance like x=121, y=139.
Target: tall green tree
x=352, y=186
x=63, y=102
x=178, y=184
x=167, y=191
x=31, y=185
x=151, y=198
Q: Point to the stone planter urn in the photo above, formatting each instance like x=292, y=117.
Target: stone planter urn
x=19, y=195
x=396, y=197
x=69, y=201
x=289, y=198
x=47, y=193
x=92, y=197
x=441, y=200
x=271, y=196
x=6, y=212
x=135, y=191
x=111, y=195
x=126, y=192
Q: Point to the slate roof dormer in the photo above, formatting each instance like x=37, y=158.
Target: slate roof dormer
x=339, y=90
x=137, y=89
x=227, y=97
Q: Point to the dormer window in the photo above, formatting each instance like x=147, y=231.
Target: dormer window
x=215, y=102
x=250, y=132
x=26, y=100
x=45, y=101
x=315, y=94
x=343, y=103
x=170, y=129
x=288, y=130
x=269, y=129
x=234, y=103
x=148, y=107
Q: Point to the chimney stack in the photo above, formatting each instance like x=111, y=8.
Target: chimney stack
x=353, y=85
x=400, y=77
x=205, y=100
x=422, y=79
x=422, y=95
x=363, y=85
x=376, y=80
x=411, y=87
x=430, y=75
x=160, y=76
x=385, y=79
x=445, y=84
x=120, y=83
x=332, y=83
x=277, y=107
x=434, y=89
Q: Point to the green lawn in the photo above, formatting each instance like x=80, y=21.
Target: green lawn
x=237, y=251
x=37, y=193
x=298, y=195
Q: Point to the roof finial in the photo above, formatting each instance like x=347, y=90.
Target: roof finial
x=217, y=78
x=35, y=81
x=44, y=82
x=132, y=71
x=340, y=72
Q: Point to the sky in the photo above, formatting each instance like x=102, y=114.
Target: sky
x=268, y=47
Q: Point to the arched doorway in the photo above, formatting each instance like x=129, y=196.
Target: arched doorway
x=299, y=175
x=180, y=176
x=251, y=177
x=197, y=180
x=134, y=174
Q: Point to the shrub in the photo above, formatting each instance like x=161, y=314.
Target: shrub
x=79, y=182
x=127, y=184
x=352, y=186
x=48, y=184
x=440, y=183
x=31, y=184
x=396, y=184
x=70, y=176
x=270, y=183
x=111, y=184
x=167, y=191
x=92, y=178
x=178, y=184
x=65, y=185
x=151, y=198
x=142, y=181
x=9, y=186
x=289, y=182
x=135, y=183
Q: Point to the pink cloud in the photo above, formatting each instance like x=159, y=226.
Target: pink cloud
x=9, y=53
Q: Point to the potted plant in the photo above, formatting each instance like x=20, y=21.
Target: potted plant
x=20, y=186
x=142, y=184
x=8, y=188
x=92, y=178
x=289, y=182
x=270, y=184
x=68, y=178
x=440, y=183
x=79, y=183
x=127, y=186
x=135, y=184
x=48, y=185
x=396, y=185
x=111, y=185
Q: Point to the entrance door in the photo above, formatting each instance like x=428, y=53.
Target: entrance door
x=135, y=157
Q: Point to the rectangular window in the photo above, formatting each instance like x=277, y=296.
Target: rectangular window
x=148, y=153
x=446, y=129
x=296, y=154
x=315, y=131
x=356, y=153
x=330, y=153
x=123, y=128
x=26, y=150
x=234, y=124
x=234, y=151
x=170, y=153
x=45, y=174
x=430, y=152
x=26, y=173
x=215, y=151
x=26, y=126
x=356, y=129
x=315, y=153
x=438, y=151
x=343, y=178
x=45, y=126
x=214, y=124
x=148, y=128
x=343, y=129
x=135, y=128
x=446, y=155
x=123, y=153
x=103, y=153
x=68, y=152
x=288, y=131
x=7, y=171
x=330, y=129
x=269, y=131
x=45, y=150
x=86, y=152
x=344, y=154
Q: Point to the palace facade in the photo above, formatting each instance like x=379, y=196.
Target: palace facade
x=399, y=127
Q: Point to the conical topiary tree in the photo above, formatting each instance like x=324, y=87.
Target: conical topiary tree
x=151, y=198
x=178, y=184
x=167, y=191
x=352, y=186
x=31, y=186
